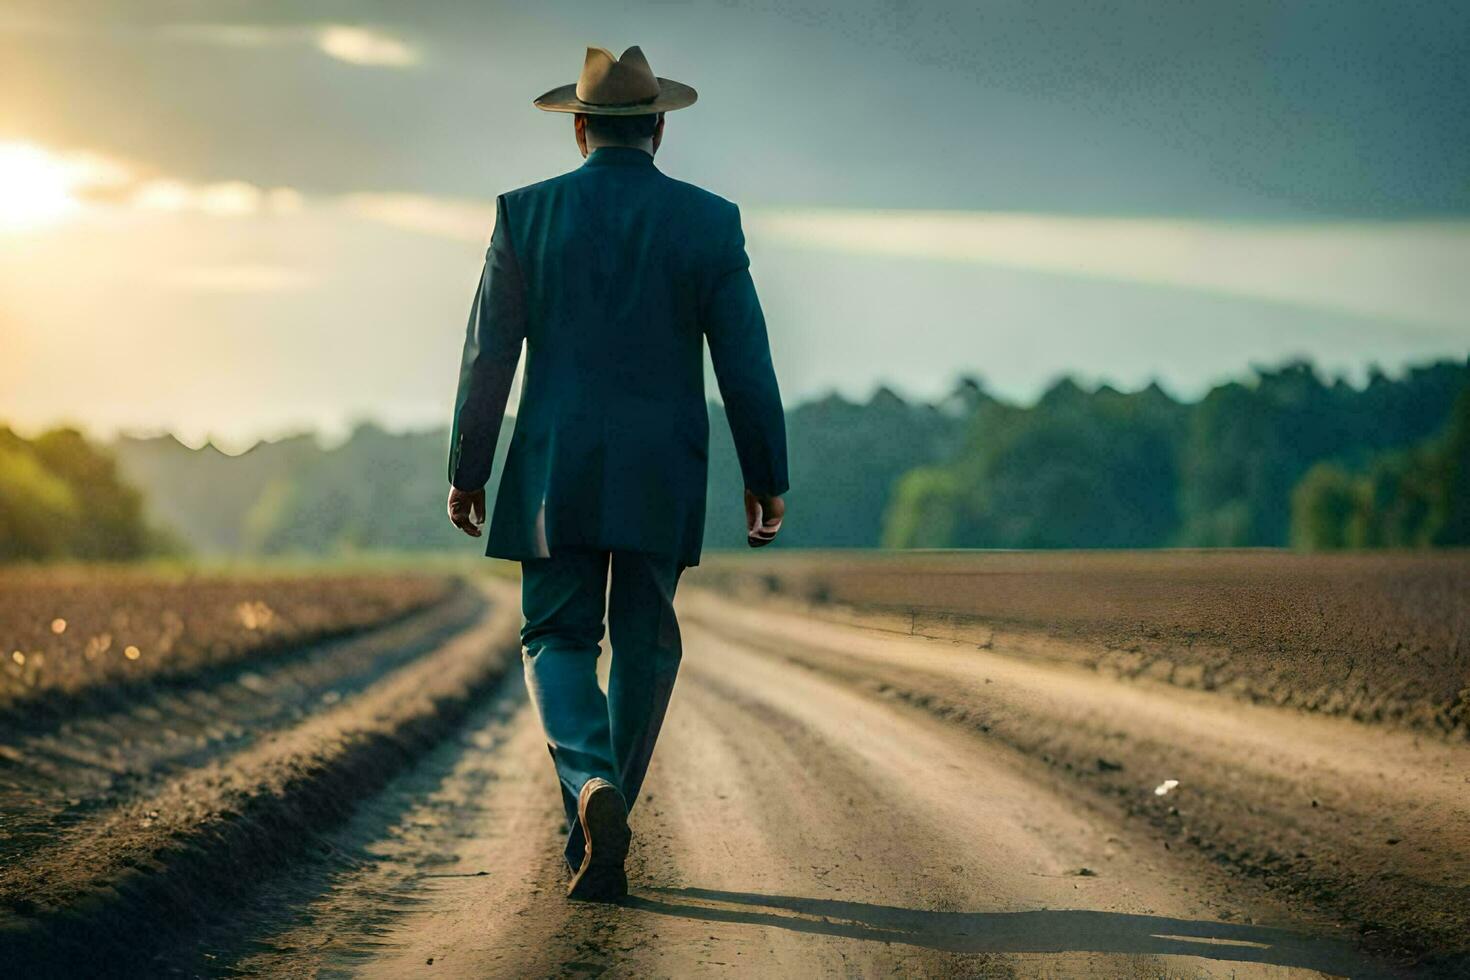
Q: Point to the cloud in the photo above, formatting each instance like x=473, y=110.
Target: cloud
x=40, y=187
x=363, y=46
x=42, y=190
x=232, y=35
x=231, y=198
x=354, y=44
x=1411, y=272
x=468, y=220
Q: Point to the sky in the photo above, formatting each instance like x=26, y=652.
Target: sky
x=234, y=219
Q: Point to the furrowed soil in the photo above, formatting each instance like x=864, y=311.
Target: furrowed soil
x=66, y=634
x=833, y=794
x=1378, y=637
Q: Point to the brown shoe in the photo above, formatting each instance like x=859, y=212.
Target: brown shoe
x=603, y=814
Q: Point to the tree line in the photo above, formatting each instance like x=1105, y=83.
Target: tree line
x=1284, y=457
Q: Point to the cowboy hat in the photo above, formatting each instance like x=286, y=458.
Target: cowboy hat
x=623, y=86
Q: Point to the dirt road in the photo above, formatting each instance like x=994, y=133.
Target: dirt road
x=830, y=801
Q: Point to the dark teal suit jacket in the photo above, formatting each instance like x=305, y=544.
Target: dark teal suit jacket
x=614, y=276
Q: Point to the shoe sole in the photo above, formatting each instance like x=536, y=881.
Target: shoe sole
x=601, y=877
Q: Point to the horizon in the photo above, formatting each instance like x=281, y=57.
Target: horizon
x=329, y=439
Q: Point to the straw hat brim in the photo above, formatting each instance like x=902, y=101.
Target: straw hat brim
x=671, y=95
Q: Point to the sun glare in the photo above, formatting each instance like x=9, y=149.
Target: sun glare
x=38, y=188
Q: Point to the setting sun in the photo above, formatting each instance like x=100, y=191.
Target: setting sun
x=38, y=188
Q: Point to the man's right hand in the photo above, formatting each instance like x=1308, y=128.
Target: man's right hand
x=763, y=517
x=467, y=510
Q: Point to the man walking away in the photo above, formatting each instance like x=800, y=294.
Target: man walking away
x=614, y=276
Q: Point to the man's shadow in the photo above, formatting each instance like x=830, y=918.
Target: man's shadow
x=1041, y=931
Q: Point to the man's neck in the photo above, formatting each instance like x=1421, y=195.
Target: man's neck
x=646, y=145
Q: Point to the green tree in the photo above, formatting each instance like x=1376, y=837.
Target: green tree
x=1249, y=445
x=39, y=515
x=1078, y=469
x=1247, y=448
x=1405, y=498
x=1452, y=515
x=1397, y=500
x=1323, y=507
x=113, y=526
x=846, y=460
x=925, y=510
x=61, y=497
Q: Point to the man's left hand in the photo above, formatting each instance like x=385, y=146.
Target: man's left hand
x=467, y=510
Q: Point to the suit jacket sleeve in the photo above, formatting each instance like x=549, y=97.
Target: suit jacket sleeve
x=741, y=354
x=492, y=348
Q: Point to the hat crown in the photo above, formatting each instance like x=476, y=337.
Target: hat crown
x=606, y=80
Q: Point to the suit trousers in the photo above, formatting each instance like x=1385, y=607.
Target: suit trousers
x=589, y=732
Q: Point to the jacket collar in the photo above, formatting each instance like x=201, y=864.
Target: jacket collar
x=618, y=156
